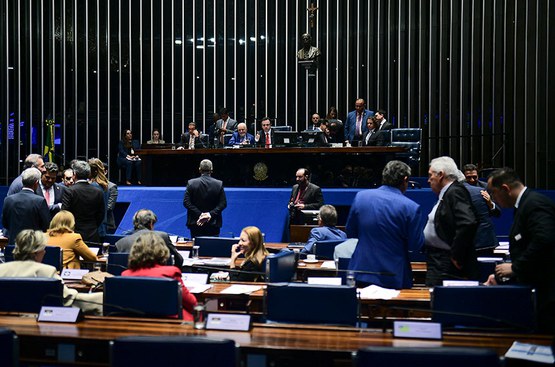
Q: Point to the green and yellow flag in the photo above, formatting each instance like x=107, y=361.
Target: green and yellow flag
x=49, y=143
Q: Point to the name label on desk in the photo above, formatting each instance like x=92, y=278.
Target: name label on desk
x=218, y=321
x=73, y=274
x=415, y=329
x=59, y=314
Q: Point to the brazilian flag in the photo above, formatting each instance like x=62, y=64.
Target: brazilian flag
x=49, y=143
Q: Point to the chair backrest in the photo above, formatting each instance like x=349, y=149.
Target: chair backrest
x=410, y=138
x=501, y=307
x=227, y=137
x=112, y=238
x=343, y=267
x=205, y=139
x=311, y=304
x=117, y=262
x=30, y=294
x=324, y=249
x=8, y=253
x=280, y=267
x=142, y=296
x=53, y=256
x=172, y=351
x=215, y=246
x=9, y=348
x=427, y=357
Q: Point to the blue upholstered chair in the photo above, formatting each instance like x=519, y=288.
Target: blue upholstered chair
x=427, y=357
x=29, y=294
x=506, y=307
x=324, y=249
x=342, y=268
x=410, y=138
x=142, y=296
x=215, y=246
x=170, y=351
x=280, y=267
x=112, y=238
x=117, y=262
x=9, y=348
x=53, y=256
x=311, y=304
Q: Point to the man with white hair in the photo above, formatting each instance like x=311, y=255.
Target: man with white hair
x=451, y=228
x=25, y=209
x=241, y=136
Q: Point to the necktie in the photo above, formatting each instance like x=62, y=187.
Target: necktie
x=191, y=142
x=47, y=196
x=268, y=140
x=224, y=124
x=359, y=120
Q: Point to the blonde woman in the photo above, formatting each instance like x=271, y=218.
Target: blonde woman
x=61, y=234
x=251, y=245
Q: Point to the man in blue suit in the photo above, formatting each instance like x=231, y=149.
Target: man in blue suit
x=327, y=219
x=355, y=126
x=25, y=209
x=241, y=136
x=387, y=225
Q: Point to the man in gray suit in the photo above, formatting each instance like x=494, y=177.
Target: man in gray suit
x=225, y=125
x=25, y=209
x=143, y=221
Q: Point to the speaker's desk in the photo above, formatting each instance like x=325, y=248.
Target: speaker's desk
x=87, y=343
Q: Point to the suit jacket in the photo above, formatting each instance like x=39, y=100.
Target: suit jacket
x=184, y=141
x=262, y=141
x=86, y=202
x=110, y=206
x=377, y=138
x=387, y=225
x=312, y=199
x=386, y=126
x=15, y=186
x=532, y=244
x=188, y=301
x=24, y=210
x=351, y=123
x=33, y=269
x=323, y=234
x=455, y=222
x=485, y=234
x=73, y=246
x=205, y=194
x=236, y=139
x=124, y=244
x=58, y=193
x=230, y=127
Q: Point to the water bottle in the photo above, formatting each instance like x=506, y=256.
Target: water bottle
x=351, y=279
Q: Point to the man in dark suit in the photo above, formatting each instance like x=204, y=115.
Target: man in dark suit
x=191, y=139
x=265, y=137
x=143, y=221
x=86, y=202
x=25, y=209
x=451, y=228
x=49, y=189
x=355, y=125
x=531, y=241
x=32, y=160
x=304, y=196
x=225, y=125
x=381, y=122
x=205, y=200
x=372, y=136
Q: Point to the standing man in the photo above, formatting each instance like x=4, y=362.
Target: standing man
x=67, y=177
x=32, y=160
x=85, y=202
x=225, y=125
x=531, y=241
x=381, y=122
x=265, y=137
x=205, y=200
x=25, y=209
x=471, y=175
x=387, y=225
x=49, y=189
x=304, y=196
x=451, y=228
x=355, y=126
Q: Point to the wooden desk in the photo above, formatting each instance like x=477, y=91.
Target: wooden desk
x=237, y=166
x=87, y=343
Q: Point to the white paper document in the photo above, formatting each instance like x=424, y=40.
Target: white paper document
x=530, y=352
x=324, y=280
x=241, y=289
x=376, y=292
x=198, y=288
x=328, y=265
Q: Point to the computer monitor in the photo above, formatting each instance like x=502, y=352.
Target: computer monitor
x=310, y=217
x=282, y=128
x=286, y=139
x=312, y=138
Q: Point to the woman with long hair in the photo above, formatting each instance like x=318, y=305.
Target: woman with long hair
x=251, y=245
x=61, y=234
x=127, y=157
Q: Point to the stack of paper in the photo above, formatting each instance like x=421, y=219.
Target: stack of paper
x=376, y=292
x=241, y=289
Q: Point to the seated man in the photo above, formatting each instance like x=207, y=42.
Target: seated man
x=327, y=219
x=143, y=222
x=191, y=139
x=241, y=136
